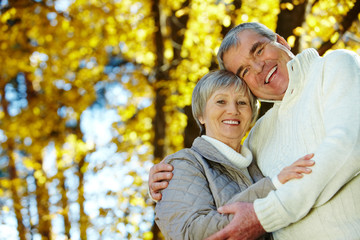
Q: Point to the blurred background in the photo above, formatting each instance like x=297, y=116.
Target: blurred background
x=93, y=93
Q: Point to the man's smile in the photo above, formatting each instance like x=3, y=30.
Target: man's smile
x=270, y=75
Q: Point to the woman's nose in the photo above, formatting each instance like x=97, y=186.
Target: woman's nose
x=233, y=108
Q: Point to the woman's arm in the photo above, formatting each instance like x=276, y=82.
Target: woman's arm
x=261, y=188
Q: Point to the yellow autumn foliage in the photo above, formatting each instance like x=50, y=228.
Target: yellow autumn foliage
x=58, y=63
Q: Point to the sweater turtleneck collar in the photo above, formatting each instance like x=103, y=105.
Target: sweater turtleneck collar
x=241, y=160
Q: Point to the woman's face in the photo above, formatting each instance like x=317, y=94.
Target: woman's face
x=227, y=116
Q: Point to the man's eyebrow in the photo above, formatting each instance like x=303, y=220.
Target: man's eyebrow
x=254, y=47
x=251, y=52
x=239, y=70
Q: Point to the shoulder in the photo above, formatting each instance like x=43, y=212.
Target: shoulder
x=186, y=155
x=255, y=132
x=263, y=121
x=341, y=56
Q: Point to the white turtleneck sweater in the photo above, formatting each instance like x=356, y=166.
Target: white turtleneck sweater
x=242, y=160
x=319, y=114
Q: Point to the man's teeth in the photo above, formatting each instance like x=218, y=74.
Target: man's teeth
x=269, y=74
x=231, y=122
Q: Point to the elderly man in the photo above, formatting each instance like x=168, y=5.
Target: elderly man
x=315, y=110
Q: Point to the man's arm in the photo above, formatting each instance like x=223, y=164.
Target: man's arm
x=159, y=177
x=245, y=224
x=187, y=209
x=261, y=188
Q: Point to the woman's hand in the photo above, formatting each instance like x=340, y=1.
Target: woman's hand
x=297, y=169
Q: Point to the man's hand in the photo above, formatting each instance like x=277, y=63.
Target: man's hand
x=244, y=225
x=159, y=177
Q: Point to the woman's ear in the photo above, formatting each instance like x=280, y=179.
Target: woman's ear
x=201, y=120
x=282, y=41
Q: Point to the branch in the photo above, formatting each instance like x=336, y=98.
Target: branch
x=177, y=26
x=346, y=23
x=314, y=3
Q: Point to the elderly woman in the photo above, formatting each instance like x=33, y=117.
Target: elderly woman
x=217, y=169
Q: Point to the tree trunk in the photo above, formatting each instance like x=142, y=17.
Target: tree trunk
x=14, y=190
x=159, y=123
x=64, y=200
x=289, y=19
x=42, y=201
x=192, y=130
x=81, y=201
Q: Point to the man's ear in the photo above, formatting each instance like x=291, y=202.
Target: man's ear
x=282, y=41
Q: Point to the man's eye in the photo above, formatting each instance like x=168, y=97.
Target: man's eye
x=244, y=72
x=259, y=51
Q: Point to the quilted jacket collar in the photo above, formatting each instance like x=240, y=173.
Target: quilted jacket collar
x=208, y=151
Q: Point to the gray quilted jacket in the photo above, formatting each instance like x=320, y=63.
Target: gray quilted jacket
x=203, y=181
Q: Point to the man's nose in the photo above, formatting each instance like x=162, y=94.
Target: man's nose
x=257, y=66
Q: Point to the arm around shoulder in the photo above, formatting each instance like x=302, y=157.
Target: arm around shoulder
x=187, y=209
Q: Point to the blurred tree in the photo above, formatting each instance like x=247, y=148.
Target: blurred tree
x=61, y=58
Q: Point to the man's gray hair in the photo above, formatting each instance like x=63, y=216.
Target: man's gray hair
x=232, y=39
x=215, y=80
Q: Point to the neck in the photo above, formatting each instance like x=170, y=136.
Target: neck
x=236, y=145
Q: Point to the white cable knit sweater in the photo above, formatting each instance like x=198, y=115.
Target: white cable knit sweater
x=319, y=114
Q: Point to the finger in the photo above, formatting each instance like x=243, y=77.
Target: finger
x=161, y=176
x=161, y=167
x=221, y=235
x=229, y=208
x=303, y=170
x=155, y=190
x=308, y=156
x=156, y=196
x=305, y=159
x=293, y=175
x=303, y=163
x=299, y=170
x=307, y=163
x=156, y=187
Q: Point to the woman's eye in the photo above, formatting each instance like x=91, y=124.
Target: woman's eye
x=242, y=103
x=220, y=101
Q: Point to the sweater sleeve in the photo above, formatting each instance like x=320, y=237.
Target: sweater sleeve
x=337, y=156
x=259, y=189
x=187, y=209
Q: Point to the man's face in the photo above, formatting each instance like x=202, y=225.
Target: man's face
x=261, y=63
